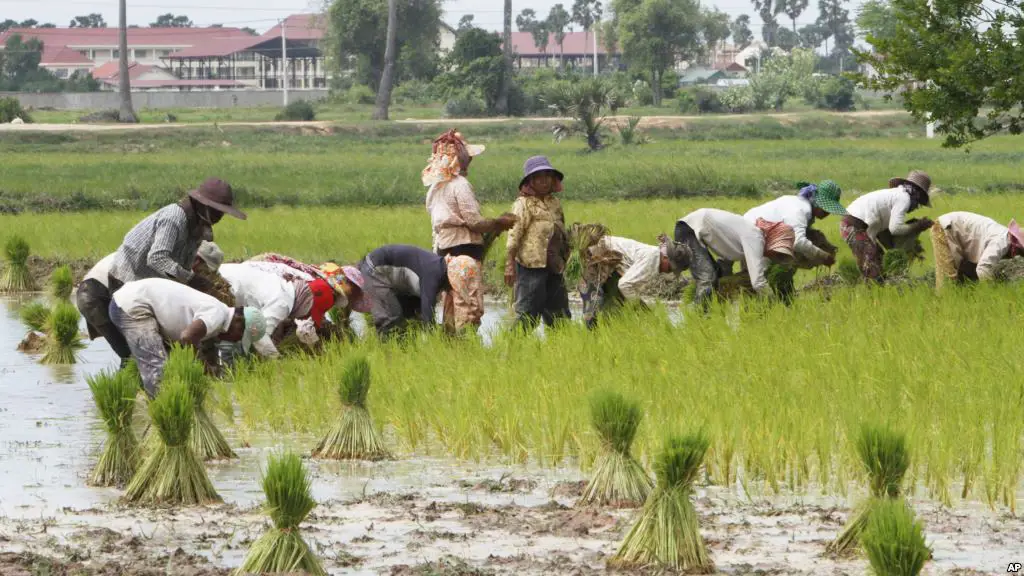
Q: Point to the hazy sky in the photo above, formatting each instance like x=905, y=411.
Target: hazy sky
x=262, y=14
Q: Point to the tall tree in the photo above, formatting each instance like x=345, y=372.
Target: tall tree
x=20, y=58
x=811, y=36
x=877, y=19
x=610, y=37
x=506, y=53
x=787, y=39
x=716, y=31
x=387, y=80
x=127, y=113
x=832, y=18
x=769, y=11
x=171, y=21
x=587, y=13
x=466, y=22
x=557, y=21
x=741, y=34
x=656, y=34
x=793, y=9
x=527, y=22
x=89, y=21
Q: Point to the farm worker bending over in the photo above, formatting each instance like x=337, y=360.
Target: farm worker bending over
x=967, y=246
x=617, y=269
x=277, y=299
x=153, y=312
x=874, y=220
x=165, y=243
x=538, y=247
x=810, y=247
x=403, y=283
x=731, y=237
x=207, y=265
x=457, y=226
x=92, y=297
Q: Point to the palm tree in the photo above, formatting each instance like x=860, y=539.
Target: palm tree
x=506, y=74
x=127, y=113
x=387, y=80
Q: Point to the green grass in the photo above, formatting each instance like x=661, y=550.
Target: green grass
x=325, y=112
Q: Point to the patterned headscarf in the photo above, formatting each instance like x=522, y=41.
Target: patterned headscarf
x=448, y=154
x=778, y=237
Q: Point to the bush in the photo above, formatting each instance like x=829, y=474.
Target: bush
x=464, y=106
x=669, y=84
x=836, y=93
x=359, y=94
x=413, y=92
x=686, y=103
x=297, y=111
x=708, y=101
x=10, y=108
x=738, y=99
x=643, y=95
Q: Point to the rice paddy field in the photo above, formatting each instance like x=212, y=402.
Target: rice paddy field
x=490, y=438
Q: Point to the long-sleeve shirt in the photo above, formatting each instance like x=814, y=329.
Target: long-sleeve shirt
x=977, y=239
x=640, y=263
x=537, y=220
x=883, y=210
x=453, y=209
x=411, y=271
x=798, y=213
x=731, y=237
x=174, y=306
x=162, y=245
x=269, y=293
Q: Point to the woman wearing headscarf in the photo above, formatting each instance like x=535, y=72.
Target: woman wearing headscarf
x=279, y=300
x=968, y=246
x=538, y=246
x=457, y=227
x=800, y=211
x=876, y=219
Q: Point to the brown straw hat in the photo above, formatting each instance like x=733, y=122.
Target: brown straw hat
x=919, y=179
x=217, y=194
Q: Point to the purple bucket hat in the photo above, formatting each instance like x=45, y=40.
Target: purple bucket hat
x=538, y=164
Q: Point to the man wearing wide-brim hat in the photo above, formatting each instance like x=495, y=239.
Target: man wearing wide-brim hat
x=877, y=219
x=165, y=243
x=968, y=246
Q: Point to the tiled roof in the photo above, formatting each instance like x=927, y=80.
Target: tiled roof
x=81, y=37
x=574, y=44
x=299, y=27
x=218, y=48
x=62, y=55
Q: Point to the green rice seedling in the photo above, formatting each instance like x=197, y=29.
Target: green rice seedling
x=667, y=534
x=896, y=263
x=883, y=451
x=62, y=281
x=63, y=341
x=171, y=472
x=353, y=437
x=282, y=550
x=848, y=271
x=35, y=316
x=618, y=479
x=894, y=540
x=16, y=277
x=114, y=394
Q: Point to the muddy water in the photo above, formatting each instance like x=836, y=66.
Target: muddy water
x=385, y=517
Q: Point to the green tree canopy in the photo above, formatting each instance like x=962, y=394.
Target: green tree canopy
x=89, y=21
x=741, y=34
x=171, y=21
x=655, y=34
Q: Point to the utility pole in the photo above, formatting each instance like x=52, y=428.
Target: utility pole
x=595, y=27
x=284, y=59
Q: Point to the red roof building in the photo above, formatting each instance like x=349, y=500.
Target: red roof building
x=576, y=49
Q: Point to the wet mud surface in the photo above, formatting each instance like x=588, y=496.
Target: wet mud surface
x=406, y=517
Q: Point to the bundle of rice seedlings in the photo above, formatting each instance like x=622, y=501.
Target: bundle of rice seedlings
x=667, y=533
x=171, y=472
x=581, y=238
x=63, y=340
x=618, y=480
x=884, y=453
x=894, y=540
x=354, y=437
x=848, y=271
x=282, y=550
x=16, y=277
x=1010, y=270
x=61, y=283
x=35, y=315
x=114, y=394
x=895, y=264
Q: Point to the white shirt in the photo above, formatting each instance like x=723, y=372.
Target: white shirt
x=882, y=210
x=798, y=213
x=731, y=237
x=174, y=306
x=100, y=271
x=977, y=239
x=260, y=289
x=640, y=263
x=280, y=269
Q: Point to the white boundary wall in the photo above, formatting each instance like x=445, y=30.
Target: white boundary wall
x=164, y=100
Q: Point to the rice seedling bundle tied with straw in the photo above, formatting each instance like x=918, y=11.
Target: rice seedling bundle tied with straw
x=883, y=452
x=16, y=277
x=894, y=540
x=62, y=282
x=114, y=394
x=667, y=533
x=618, y=479
x=171, y=472
x=354, y=436
x=281, y=550
x=35, y=316
x=206, y=440
x=63, y=341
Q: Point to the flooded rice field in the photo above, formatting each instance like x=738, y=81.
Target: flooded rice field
x=406, y=517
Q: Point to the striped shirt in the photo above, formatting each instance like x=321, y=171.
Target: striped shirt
x=163, y=245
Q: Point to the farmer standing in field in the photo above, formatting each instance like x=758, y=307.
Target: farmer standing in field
x=814, y=202
x=165, y=243
x=152, y=312
x=967, y=246
x=731, y=237
x=457, y=226
x=876, y=220
x=538, y=247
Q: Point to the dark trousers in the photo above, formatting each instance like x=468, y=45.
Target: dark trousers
x=391, y=310
x=93, y=300
x=703, y=268
x=540, y=296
